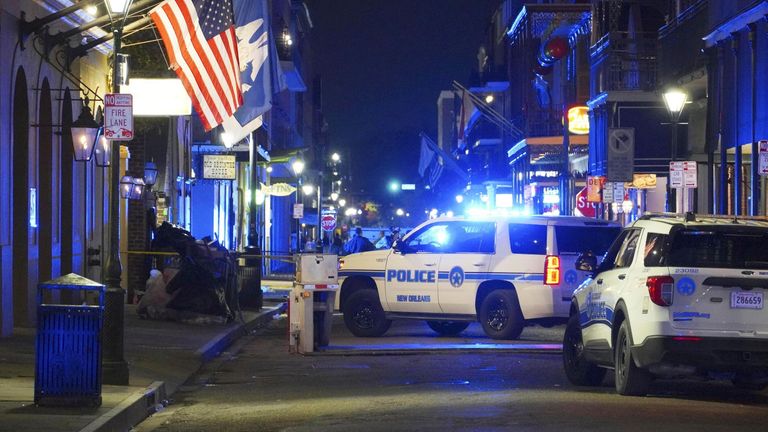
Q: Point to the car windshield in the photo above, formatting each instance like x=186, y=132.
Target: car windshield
x=578, y=239
x=718, y=248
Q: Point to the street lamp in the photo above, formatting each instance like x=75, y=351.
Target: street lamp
x=84, y=133
x=335, y=157
x=674, y=100
x=114, y=366
x=150, y=173
x=298, y=167
x=342, y=202
x=126, y=186
x=137, y=191
x=103, y=151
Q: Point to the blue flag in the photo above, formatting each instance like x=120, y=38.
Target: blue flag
x=260, y=73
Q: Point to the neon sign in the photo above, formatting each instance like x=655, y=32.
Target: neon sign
x=578, y=120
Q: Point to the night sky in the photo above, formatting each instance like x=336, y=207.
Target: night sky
x=383, y=64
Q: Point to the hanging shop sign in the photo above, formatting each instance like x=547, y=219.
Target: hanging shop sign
x=578, y=120
x=621, y=154
x=595, y=188
x=762, y=147
x=642, y=181
x=219, y=167
x=278, y=189
x=328, y=220
x=118, y=116
x=683, y=174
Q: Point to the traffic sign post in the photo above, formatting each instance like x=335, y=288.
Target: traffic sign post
x=328, y=220
x=585, y=207
x=762, y=146
x=118, y=116
x=683, y=175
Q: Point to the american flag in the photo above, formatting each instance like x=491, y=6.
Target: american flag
x=199, y=36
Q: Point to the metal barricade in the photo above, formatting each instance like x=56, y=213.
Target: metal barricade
x=68, y=346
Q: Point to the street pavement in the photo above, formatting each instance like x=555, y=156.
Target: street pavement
x=161, y=356
x=257, y=385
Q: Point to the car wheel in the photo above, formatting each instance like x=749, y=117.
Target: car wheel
x=748, y=382
x=448, y=328
x=578, y=370
x=364, y=316
x=500, y=315
x=630, y=379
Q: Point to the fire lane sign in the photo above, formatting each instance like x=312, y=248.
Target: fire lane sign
x=118, y=116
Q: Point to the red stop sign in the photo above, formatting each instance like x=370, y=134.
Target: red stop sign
x=585, y=207
x=328, y=222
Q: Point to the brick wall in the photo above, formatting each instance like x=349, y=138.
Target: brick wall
x=138, y=266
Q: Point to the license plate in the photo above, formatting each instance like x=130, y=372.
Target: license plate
x=746, y=300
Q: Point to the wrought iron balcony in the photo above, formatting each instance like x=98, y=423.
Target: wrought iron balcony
x=623, y=61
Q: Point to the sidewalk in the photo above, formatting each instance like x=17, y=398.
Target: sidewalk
x=161, y=356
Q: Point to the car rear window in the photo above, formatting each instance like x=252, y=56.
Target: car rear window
x=713, y=248
x=578, y=239
x=528, y=239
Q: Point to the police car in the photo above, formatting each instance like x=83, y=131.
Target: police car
x=673, y=296
x=453, y=271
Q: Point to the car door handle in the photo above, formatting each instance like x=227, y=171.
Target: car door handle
x=478, y=264
x=431, y=264
x=599, y=281
x=622, y=276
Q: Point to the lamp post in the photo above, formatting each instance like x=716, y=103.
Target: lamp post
x=84, y=131
x=674, y=100
x=298, y=168
x=114, y=366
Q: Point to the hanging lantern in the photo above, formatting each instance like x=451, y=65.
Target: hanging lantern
x=84, y=133
x=103, y=151
x=556, y=48
x=137, y=192
x=126, y=186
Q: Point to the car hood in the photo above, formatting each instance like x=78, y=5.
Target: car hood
x=366, y=260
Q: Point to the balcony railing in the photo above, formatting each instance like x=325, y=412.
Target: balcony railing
x=624, y=62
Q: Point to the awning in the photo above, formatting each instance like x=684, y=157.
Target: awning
x=293, y=79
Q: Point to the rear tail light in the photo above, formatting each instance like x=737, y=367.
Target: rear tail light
x=661, y=289
x=552, y=270
x=341, y=264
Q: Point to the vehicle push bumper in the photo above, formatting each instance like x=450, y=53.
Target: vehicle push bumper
x=712, y=354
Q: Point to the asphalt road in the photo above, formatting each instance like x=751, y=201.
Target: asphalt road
x=259, y=386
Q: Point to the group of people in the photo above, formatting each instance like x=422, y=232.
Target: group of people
x=357, y=243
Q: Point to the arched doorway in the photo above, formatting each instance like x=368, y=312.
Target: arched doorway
x=20, y=200
x=45, y=194
x=67, y=184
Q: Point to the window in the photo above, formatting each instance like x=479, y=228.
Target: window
x=628, y=251
x=429, y=239
x=654, y=250
x=609, y=259
x=470, y=237
x=579, y=239
x=719, y=247
x=528, y=239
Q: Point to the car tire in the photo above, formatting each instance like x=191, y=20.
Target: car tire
x=748, y=382
x=579, y=371
x=364, y=316
x=448, y=328
x=630, y=379
x=500, y=315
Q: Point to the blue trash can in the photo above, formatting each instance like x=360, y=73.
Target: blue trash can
x=68, y=345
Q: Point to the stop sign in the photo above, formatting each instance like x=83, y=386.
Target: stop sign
x=328, y=221
x=585, y=207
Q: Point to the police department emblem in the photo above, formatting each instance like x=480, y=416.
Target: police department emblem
x=570, y=277
x=686, y=286
x=456, y=276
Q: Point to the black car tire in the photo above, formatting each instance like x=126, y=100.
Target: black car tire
x=448, y=328
x=501, y=316
x=630, y=379
x=579, y=371
x=364, y=316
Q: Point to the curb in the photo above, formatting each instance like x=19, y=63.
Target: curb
x=224, y=339
x=131, y=411
x=141, y=404
x=555, y=349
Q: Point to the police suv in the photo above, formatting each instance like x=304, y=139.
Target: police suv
x=673, y=296
x=452, y=271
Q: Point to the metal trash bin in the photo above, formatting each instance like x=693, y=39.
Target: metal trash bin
x=68, y=346
x=249, y=279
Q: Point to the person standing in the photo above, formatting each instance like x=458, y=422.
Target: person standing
x=358, y=243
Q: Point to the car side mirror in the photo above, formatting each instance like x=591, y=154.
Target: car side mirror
x=587, y=262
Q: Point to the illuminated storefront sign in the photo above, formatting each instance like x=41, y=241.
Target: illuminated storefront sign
x=578, y=120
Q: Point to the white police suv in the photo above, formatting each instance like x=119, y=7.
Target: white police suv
x=673, y=296
x=452, y=271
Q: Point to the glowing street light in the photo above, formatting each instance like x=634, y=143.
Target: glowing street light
x=394, y=186
x=298, y=166
x=342, y=202
x=399, y=212
x=335, y=157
